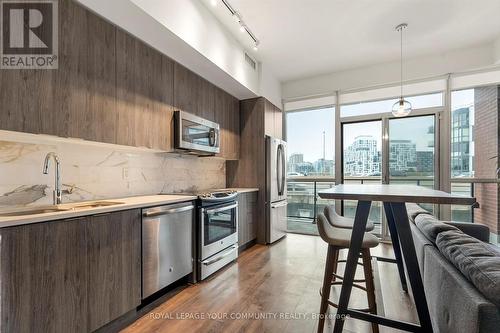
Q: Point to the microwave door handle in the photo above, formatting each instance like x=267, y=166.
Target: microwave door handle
x=212, y=137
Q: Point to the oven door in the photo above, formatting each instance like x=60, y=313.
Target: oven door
x=219, y=228
x=196, y=134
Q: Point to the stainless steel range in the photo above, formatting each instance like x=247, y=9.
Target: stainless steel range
x=217, y=231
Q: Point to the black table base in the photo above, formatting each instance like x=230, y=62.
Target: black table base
x=399, y=228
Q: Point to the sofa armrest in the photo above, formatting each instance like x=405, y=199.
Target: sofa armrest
x=478, y=231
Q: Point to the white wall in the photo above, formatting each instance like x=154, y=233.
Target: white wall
x=194, y=24
x=270, y=87
x=455, y=61
x=496, y=51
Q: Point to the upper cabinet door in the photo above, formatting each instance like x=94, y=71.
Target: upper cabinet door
x=227, y=114
x=193, y=94
x=144, y=94
x=273, y=120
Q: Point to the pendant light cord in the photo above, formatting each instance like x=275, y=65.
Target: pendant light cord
x=401, y=63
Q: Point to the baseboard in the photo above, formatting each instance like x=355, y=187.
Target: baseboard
x=246, y=246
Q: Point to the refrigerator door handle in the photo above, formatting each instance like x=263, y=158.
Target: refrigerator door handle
x=278, y=205
x=278, y=176
x=283, y=170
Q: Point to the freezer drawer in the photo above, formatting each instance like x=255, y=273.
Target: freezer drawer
x=167, y=245
x=277, y=217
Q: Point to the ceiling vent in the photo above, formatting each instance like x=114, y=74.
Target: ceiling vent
x=250, y=61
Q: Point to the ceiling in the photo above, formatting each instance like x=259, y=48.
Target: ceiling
x=303, y=38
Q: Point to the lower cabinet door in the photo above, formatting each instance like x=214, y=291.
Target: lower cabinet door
x=71, y=275
x=43, y=280
x=114, y=250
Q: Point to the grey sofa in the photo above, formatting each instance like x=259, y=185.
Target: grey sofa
x=455, y=304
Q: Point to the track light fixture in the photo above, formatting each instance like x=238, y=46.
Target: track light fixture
x=238, y=18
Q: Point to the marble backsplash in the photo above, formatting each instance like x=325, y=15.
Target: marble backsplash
x=92, y=171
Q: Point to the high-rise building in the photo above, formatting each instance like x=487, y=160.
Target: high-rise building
x=294, y=160
x=402, y=157
x=362, y=158
x=324, y=167
x=425, y=162
x=462, y=145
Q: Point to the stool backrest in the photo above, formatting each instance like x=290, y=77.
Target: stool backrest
x=323, y=225
x=330, y=213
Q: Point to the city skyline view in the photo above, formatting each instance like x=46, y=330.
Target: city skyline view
x=411, y=142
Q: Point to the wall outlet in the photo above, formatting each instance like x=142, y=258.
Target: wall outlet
x=125, y=173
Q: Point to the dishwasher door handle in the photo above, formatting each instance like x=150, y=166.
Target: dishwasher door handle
x=159, y=212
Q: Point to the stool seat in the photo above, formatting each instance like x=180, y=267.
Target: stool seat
x=342, y=222
x=342, y=237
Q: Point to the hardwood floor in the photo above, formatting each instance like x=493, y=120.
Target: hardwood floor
x=282, y=279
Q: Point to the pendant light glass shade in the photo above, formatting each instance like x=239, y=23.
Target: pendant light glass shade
x=401, y=108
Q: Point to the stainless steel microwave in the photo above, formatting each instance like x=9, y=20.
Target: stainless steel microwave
x=195, y=134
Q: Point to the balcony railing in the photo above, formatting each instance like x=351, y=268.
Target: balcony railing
x=304, y=203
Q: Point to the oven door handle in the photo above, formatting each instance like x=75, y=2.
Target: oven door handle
x=222, y=256
x=221, y=209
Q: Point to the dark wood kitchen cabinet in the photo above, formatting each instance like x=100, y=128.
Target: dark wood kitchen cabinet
x=193, y=94
x=44, y=277
x=114, y=265
x=70, y=275
x=112, y=87
x=273, y=120
x=258, y=118
x=227, y=115
x=247, y=226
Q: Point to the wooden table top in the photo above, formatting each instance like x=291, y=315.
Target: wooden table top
x=394, y=193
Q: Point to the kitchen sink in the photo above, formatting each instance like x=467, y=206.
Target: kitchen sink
x=94, y=204
x=60, y=208
x=33, y=212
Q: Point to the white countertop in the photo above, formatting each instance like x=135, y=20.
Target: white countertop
x=242, y=189
x=124, y=204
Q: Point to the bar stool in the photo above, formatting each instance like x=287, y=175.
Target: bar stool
x=337, y=240
x=342, y=222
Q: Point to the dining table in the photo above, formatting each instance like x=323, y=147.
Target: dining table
x=394, y=198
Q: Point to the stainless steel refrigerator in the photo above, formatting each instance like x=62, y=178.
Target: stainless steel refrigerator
x=276, y=189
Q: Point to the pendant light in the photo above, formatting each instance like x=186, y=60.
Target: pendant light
x=401, y=108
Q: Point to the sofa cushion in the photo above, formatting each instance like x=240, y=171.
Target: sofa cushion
x=455, y=304
x=475, y=230
x=431, y=227
x=478, y=261
x=414, y=210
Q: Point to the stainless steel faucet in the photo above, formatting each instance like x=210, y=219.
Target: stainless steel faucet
x=57, y=174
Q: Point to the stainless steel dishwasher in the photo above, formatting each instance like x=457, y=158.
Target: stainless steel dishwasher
x=167, y=245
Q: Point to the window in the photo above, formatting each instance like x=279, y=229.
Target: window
x=366, y=108
x=462, y=125
x=474, y=152
x=311, y=142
